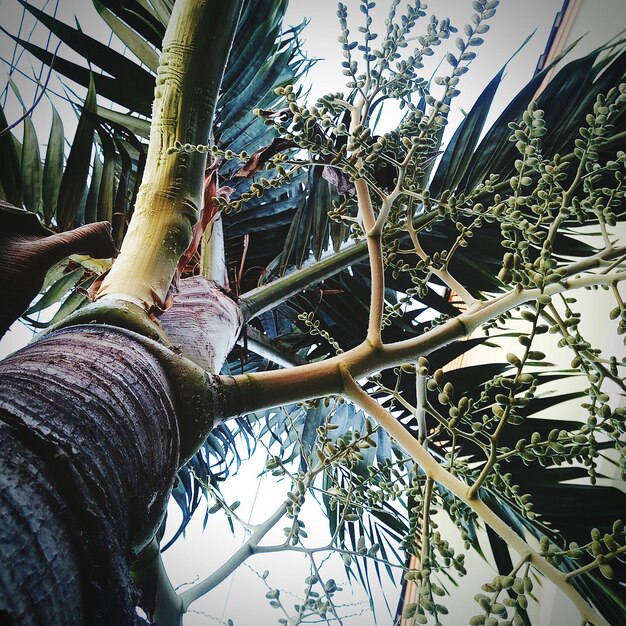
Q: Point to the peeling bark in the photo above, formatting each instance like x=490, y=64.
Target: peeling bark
x=90, y=450
x=204, y=322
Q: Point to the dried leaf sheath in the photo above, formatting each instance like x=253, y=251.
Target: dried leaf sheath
x=203, y=322
x=28, y=251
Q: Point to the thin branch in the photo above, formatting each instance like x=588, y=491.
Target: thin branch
x=442, y=274
x=595, y=563
x=420, y=409
x=613, y=141
x=425, y=537
x=593, y=359
x=241, y=555
x=375, y=253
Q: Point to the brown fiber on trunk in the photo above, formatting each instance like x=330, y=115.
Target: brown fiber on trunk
x=28, y=251
x=89, y=453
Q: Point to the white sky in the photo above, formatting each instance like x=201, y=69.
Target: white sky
x=513, y=23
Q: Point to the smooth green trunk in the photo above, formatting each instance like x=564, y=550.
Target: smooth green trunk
x=195, y=49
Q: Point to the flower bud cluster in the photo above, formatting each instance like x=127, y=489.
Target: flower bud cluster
x=597, y=553
x=509, y=611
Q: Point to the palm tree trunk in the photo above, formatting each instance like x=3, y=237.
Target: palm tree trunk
x=89, y=451
x=196, y=46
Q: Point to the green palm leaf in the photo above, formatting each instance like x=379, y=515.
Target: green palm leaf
x=10, y=178
x=31, y=170
x=53, y=168
x=74, y=179
x=137, y=44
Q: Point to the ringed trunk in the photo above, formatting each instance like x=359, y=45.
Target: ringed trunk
x=195, y=49
x=89, y=451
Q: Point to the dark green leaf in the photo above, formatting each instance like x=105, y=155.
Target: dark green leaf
x=139, y=46
x=136, y=125
x=121, y=209
x=570, y=95
x=53, y=167
x=493, y=152
x=10, y=178
x=73, y=302
x=116, y=89
x=246, y=98
x=106, y=195
x=140, y=19
x=31, y=169
x=74, y=179
x=162, y=10
x=93, y=51
x=57, y=290
x=442, y=356
x=314, y=417
x=458, y=154
x=255, y=39
x=91, y=203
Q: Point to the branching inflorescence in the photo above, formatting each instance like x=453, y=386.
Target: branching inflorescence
x=464, y=439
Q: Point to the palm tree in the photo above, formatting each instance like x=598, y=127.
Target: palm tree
x=117, y=403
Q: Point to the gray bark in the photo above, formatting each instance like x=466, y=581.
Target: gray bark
x=89, y=451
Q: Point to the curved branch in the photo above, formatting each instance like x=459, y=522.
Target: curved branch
x=434, y=470
x=247, y=393
x=247, y=550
